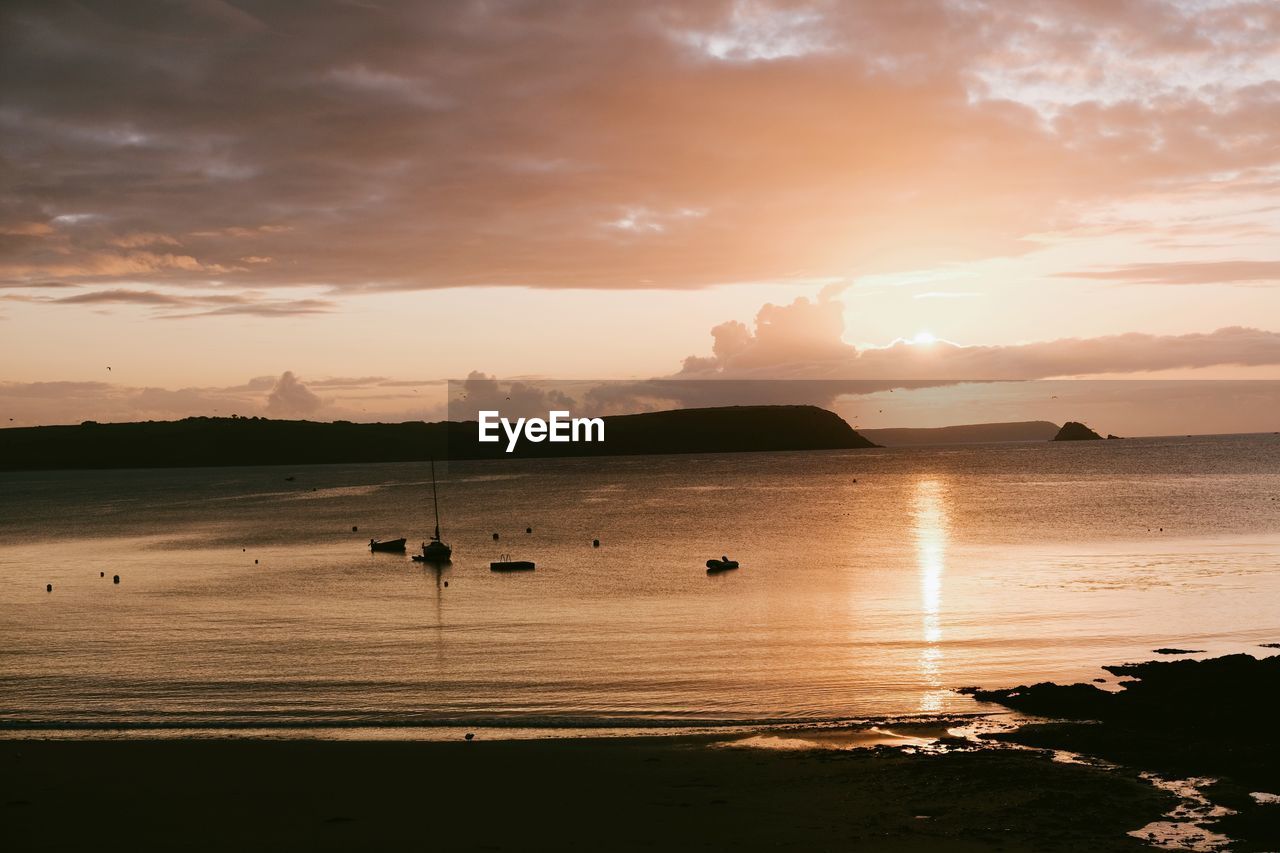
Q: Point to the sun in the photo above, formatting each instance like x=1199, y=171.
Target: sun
x=924, y=338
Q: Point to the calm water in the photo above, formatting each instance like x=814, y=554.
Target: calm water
x=873, y=582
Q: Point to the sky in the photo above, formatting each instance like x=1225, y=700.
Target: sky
x=326, y=209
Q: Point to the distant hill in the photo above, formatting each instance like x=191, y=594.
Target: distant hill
x=1076, y=431
x=194, y=442
x=963, y=434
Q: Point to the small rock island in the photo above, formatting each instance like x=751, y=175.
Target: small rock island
x=1076, y=431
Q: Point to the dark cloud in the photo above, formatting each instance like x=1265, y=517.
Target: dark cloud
x=135, y=297
x=250, y=307
x=180, y=305
x=611, y=145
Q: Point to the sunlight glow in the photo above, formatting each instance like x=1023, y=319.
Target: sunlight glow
x=930, y=533
x=924, y=338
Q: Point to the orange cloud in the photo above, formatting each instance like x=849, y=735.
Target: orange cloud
x=665, y=145
x=805, y=340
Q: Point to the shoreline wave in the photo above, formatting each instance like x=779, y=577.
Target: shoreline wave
x=588, y=726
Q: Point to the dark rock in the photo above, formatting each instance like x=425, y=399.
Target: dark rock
x=1076, y=431
x=1196, y=717
x=1077, y=701
x=1178, y=651
x=1215, y=688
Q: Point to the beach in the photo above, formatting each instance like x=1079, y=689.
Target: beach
x=649, y=793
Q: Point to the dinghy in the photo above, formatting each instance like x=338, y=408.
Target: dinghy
x=721, y=565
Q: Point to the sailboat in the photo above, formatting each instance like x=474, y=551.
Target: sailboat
x=434, y=551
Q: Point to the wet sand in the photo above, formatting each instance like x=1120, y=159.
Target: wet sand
x=603, y=794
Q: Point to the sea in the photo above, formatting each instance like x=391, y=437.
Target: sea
x=873, y=584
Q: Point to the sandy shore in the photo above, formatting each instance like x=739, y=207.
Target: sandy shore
x=605, y=794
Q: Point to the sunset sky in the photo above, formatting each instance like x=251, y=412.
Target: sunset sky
x=324, y=209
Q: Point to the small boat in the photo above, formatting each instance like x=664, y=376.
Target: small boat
x=721, y=565
x=387, y=545
x=506, y=564
x=434, y=551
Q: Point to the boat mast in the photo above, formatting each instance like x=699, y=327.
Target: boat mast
x=434, y=499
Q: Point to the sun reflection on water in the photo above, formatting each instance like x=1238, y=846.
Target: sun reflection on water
x=930, y=533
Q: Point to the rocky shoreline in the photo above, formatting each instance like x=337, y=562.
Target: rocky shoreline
x=1184, y=719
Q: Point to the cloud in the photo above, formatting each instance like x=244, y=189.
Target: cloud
x=121, y=295
x=1187, y=272
x=133, y=241
x=28, y=403
x=26, y=229
x=609, y=145
x=171, y=305
x=348, y=382
x=292, y=399
x=805, y=340
x=1111, y=354
x=514, y=398
x=283, y=395
x=240, y=306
